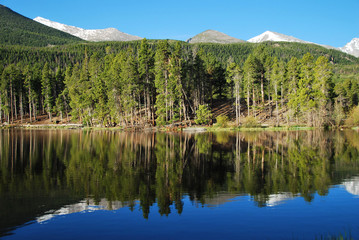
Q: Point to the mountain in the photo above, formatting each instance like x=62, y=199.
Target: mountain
x=279, y=37
x=275, y=37
x=212, y=36
x=96, y=35
x=16, y=29
x=352, y=47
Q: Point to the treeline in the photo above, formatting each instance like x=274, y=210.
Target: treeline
x=164, y=83
x=62, y=56
x=282, y=50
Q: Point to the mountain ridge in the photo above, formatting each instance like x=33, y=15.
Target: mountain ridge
x=92, y=35
x=213, y=36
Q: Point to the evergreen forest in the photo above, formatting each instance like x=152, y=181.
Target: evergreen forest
x=165, y=82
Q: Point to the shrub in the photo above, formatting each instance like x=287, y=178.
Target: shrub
x=203, y=115
x=222, y=121
x=250, y=122
x=353, y=118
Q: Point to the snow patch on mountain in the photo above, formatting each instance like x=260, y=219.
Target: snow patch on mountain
x=352, y=47
x=95, y=35
x=275, y=37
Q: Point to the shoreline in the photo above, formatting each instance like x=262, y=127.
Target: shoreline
x=192, y=129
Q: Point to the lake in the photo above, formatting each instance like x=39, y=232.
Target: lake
x=76, y=184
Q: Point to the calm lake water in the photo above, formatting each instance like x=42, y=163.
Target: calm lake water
x=74, y=184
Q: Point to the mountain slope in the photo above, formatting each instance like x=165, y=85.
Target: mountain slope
x=96, y=35
x=352, y=47
x=212, y=36
x=269, y=36
x=16, y=29
x=275, y=37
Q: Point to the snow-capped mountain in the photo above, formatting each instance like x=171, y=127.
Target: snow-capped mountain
x=352, y=47
x=275, y=37
x=212, y=36
x=96, y=35
x=279, y=37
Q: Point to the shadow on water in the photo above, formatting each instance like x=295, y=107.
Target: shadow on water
x=49, y=172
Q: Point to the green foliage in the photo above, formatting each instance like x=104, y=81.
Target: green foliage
x=353, y=118
x=250, y=122
x=203, y=115
x=46, y=84
x=161, y=82
x=222, y=121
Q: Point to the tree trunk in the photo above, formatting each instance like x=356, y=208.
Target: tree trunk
x=33, y=109
x=49, y=109
x=254, y=104
x=276, y=104
x=262, y=87
x=166, y=97
x=148, y=100
x=42, y=105
x=281, y=96
x=239, y=109
x=11, y=103
x=15, y=106
x=145, y=103
x=247, y=101
x=30, y=104
x=21, y=107
x=0, y=109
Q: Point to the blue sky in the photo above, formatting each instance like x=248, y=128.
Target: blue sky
x=330, y=22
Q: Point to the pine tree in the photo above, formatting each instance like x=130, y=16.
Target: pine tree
x=145, y=69
x=72, y=77
x=322, y=77
x=113, y=67
x=277, y=78
x=235, y=76
x=261, y=53
x=85, y=89
x=98, y=91
x=129, y=78
x=250, y=76
x=46, y=83
x=305, y=98
x=175, y=83
x=198, y=82
x=161, y=82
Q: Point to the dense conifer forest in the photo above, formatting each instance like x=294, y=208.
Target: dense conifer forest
x=161, y=82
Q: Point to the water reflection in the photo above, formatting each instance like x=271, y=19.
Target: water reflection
x=352, y=186
x=49, y=169
x=86, y=205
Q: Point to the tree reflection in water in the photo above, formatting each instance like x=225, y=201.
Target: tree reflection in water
x=163, y=168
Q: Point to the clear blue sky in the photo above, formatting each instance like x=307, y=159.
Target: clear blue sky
x=331, y=22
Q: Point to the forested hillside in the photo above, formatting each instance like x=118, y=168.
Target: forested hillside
x=164, y=82
x=16, y=29
x=238, y=53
